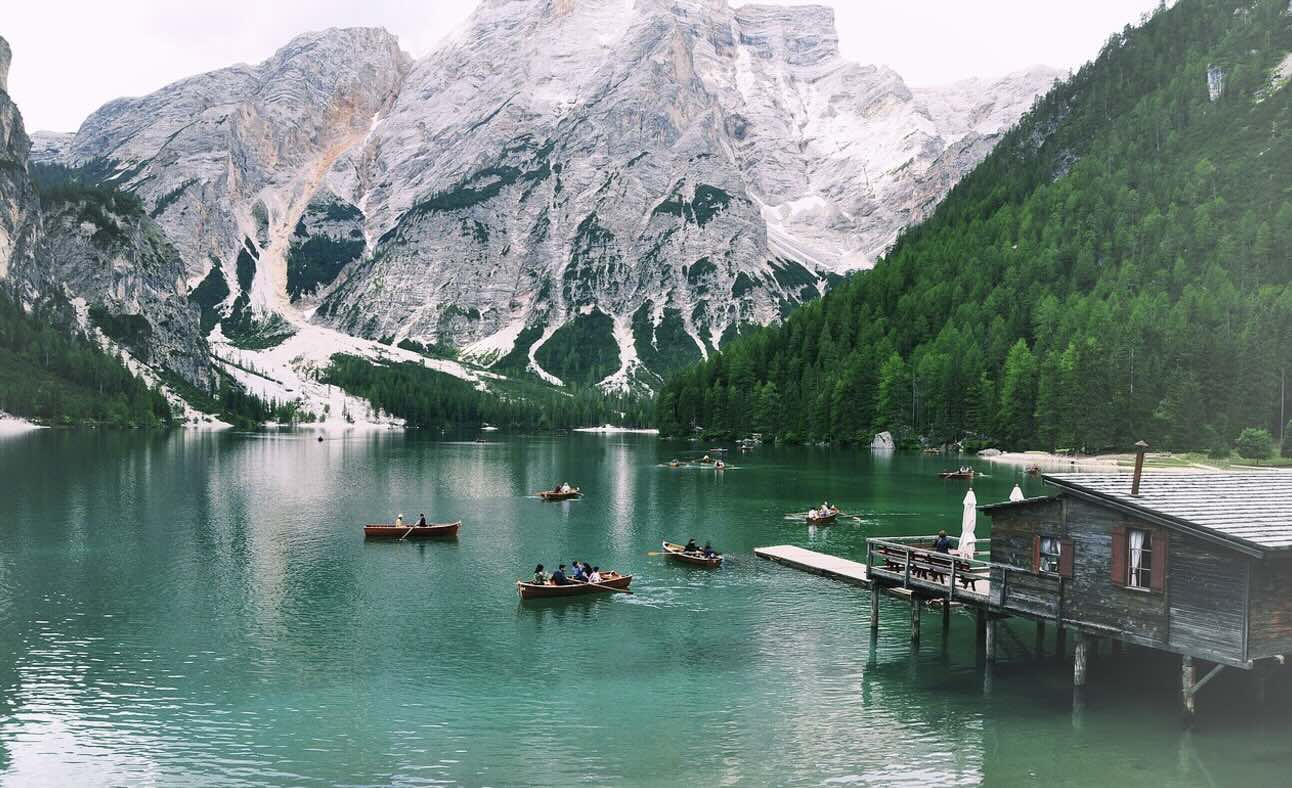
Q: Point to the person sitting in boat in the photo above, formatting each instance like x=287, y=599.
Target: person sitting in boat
x=540, y=577
x=595, y=577
x=421, y=520
x=709, y=552
x=565, y=487
x=399, y=520
x=580, y=575
x=690, y=547
x=557, y=488
x=943, y=543
x=706, y=458
x=558, y=577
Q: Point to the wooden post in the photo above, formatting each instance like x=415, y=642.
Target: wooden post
x=915, y=619
x=1038, y=646
x=946, y=616
x=1079, y=661
x=991, y=640
x=1188, y=676
x=980, y=624
x=1061, y=643
x=874, y=606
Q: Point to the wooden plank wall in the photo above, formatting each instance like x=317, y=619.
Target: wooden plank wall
x=1270, y=614
x=1206, y=591
x=1201, y=612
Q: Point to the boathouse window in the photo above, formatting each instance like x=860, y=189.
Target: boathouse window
x=1051, y=550
x=1052, y=555
x=1139, y=548
x=1139, y=558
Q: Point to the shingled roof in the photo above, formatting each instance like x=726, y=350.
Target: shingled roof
x=1248, y=509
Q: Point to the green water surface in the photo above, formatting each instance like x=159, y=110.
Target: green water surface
x=201, y=609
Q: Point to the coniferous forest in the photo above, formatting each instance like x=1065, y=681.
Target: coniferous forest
x=1119, y=268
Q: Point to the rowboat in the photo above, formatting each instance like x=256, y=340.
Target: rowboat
x=546, y=590
x=679, y=552
x=1033, y=470
x=823, y=520
x=549, y=495
x=386, y=531
x=963, y=473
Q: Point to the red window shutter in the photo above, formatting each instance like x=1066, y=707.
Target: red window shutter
x=1119, y=556
x=1160, y=541
x=1065, y=558
x=1036, y=554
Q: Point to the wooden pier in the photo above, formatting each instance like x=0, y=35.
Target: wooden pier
x=853, y=572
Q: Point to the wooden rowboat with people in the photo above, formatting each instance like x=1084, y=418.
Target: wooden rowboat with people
x=964, y=472
x=610, y=582
x=679, y=552
x=816, y=517
x=429, y=531
x=560, y=495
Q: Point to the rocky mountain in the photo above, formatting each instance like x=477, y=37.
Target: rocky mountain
x=593, y=191
x=95, y=256
x=648, y=176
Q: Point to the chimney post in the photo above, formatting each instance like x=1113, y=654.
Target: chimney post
x=1141, y=448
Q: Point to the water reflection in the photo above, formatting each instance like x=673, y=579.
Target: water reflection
x=201, y=609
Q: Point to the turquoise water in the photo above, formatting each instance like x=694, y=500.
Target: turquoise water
x=200, y=609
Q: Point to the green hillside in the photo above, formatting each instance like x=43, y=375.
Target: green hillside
x=1120, y=267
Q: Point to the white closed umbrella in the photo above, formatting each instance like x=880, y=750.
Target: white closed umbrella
x=969, y=519
x=1016, y=494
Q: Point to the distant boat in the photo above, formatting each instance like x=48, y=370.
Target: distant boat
x=962, y=473
x=720, y=466
x=488, y=428
x=679, y=552
x=1033, y=470
x=675, y=464
x=432, y=530
x=551, y=495
x=536, y=591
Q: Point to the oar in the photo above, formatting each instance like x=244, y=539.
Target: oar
x=406, y=533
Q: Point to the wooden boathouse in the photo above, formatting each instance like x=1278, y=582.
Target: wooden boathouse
x=1199, y=565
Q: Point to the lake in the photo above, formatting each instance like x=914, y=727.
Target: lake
x=195, y=608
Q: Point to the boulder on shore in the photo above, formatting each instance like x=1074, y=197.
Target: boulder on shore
x=883, y=440
x=989, y=453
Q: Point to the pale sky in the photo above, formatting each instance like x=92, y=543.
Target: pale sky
x=72, y=56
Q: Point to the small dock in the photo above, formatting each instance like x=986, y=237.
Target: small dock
x=830, y=566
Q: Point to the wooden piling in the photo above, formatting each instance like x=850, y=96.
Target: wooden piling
x=991, y=640
x=1188, y=677
x=1038, y=644
x=915, y=620
x=874, y=608
x=1060, y=643
x=946, y=616
x=1079, y=661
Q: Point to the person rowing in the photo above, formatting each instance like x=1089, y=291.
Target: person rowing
x=580, y=573
x=709, y=552
x=558, y=577
x=690, y=547
x=421, y=520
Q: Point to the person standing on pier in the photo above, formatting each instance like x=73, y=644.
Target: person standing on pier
x=943, y=543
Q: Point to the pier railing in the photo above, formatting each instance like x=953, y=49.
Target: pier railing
x=912, y=563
